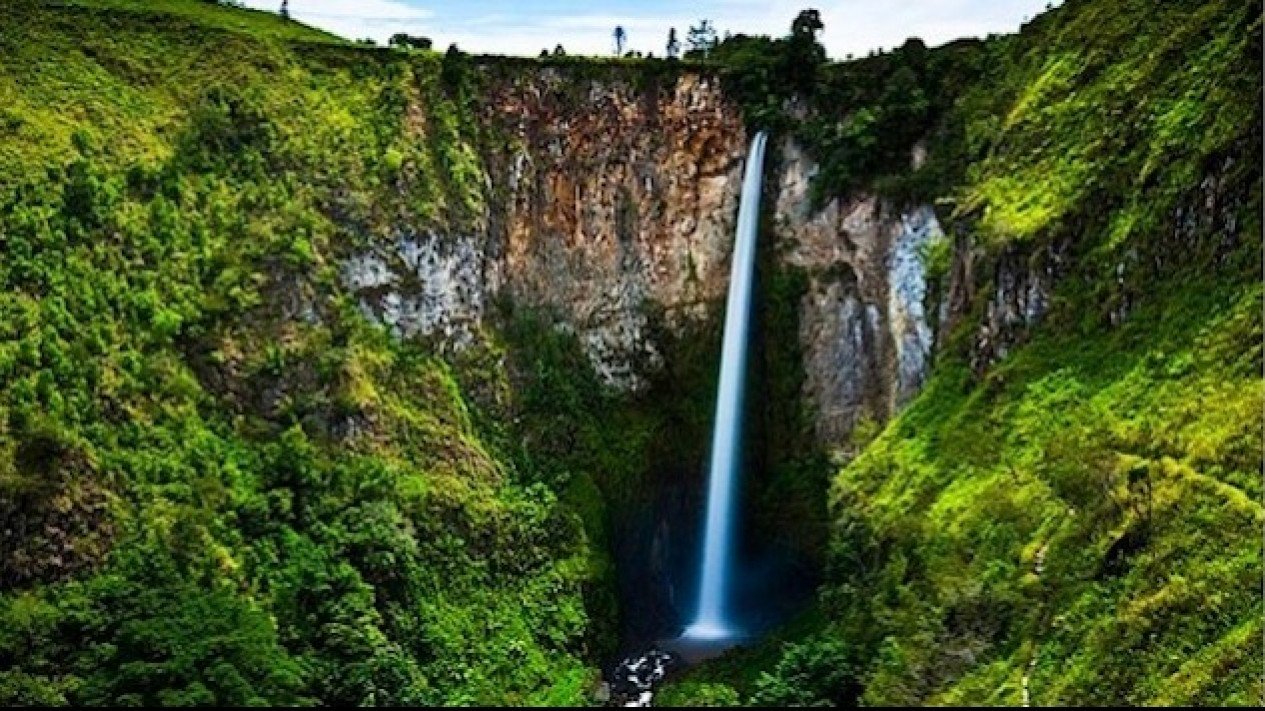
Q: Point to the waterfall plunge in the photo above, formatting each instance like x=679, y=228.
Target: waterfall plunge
x=711, y=620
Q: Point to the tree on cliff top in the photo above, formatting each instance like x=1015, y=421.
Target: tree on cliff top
x=702, y=39
x=406, y=41
x=807, y=24
x=674, y=45
x=804, y=54
x=620, y=38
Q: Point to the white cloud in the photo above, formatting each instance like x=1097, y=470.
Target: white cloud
x=852, y=26
x=378, y=19
x=858, y=26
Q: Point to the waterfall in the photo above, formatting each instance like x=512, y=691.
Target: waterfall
x=711, y=620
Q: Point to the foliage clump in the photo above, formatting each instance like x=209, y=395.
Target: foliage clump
x=262, y=497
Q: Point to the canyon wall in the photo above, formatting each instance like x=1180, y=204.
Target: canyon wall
x=604, y=200
x=864, y=332
x=607, y=200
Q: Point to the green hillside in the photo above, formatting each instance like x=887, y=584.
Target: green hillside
x=1084, y=514
x=213, y=498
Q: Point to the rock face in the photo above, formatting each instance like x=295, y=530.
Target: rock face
x=634, y=680
x=622, y=198
x=606, y=200
x=864, y=331
x=1020, y=297
x=424, y=285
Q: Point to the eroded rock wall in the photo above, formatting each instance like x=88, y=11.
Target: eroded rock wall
x=605, y=200
x=864, y=332
x=621, y=199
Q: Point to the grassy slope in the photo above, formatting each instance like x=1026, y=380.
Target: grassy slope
x=1129, y=458
x=153, y=404
x=1123, y=462
x=219, y=499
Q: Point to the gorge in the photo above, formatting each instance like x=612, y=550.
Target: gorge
x=340, y=374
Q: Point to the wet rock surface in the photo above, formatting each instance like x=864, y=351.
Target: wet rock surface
x=633, y=681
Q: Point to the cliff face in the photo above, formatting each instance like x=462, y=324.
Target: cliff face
x=608, y=200
x=604, y=200
x=864, y=332
x=630, y=200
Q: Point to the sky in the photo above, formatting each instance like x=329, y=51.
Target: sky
x=526, y=26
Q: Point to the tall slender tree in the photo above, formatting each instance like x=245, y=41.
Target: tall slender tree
x=804, y=54
x=620, y=38
x=806, y=25
x=674, y=45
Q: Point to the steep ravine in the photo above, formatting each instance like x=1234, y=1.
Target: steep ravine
x=610, y=205
x=349, y=375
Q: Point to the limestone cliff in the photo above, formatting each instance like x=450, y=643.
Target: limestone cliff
x=864, y=333
x=605, y=200
x=608, y=200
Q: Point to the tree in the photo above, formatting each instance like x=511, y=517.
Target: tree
x=674, y=45
x=620, y=38
x=807, y=24
x=453, y=67
x=405, y=41
x=285, y=9
x=803, y=53
x=559, y=51
x=914, y=53
x=702, y=39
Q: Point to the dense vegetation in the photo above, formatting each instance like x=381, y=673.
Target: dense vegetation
x=219, y=483
x=1081, y=517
